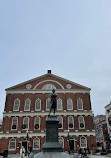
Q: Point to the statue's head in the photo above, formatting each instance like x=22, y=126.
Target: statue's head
x=53, y=90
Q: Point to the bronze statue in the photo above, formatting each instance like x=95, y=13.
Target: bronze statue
x=53, y=101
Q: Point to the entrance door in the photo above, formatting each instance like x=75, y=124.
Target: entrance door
x=25, y=145
x=71, y=145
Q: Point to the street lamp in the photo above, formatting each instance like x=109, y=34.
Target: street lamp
x=27, y=137
x=68, y=139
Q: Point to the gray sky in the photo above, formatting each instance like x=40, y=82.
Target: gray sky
x=70, y=37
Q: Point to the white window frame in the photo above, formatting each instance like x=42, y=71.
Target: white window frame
x=45, y=87
x=72, y=122
x=29, y=105
x=61, y=104
x=18, y=105
x=13, y=124
x=80, y=141
x=62, y=141
x=35, y=105
x=28, y=123
x=83, y=122
x=62, y=122
x=35, y=123
x=33, y=144
x=9, y=145
x=78, y=105
x=67, y=104
x=46, y=104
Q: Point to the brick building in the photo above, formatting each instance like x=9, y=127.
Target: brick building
x=27, y=106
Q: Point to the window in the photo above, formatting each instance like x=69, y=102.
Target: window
x=26, y=123
x=61, y=142
x=16, y=105
x=36, y=144
x=59, y=104
x=80, y=104
x=37, y=123
x=81, y=122
x=48, y=104
x=83, y=142
x=14, y=123
x=69, y=104
x=12, y=144
x=70, y=122
x=27, y=105
x=38, y=105
x=60, y=121
x=48, y=87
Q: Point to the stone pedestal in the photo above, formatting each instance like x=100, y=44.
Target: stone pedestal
x=51, y=142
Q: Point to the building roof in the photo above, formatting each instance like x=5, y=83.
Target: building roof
x=48, y=75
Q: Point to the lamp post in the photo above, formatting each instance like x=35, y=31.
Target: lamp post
x=68, y=139
x=27, y=137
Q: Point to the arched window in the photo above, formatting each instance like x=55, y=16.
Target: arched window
x=37, y=123
x=36, y=144
x=83, y=142
x=26, y=123
x=48, y=87
x=80, y=104
x=27, y=105
x=60, y=121
x=14, y=123
x=38, y=105
x=48, y=104
x=70, y=122
x=59, y=104
x=81, y=122
x=69, y=104
x=12, y=144
x=61, y=141
x=16, y=105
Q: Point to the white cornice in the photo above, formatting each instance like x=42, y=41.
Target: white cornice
x=63, y=113
x=33, y=91
x=18, y=135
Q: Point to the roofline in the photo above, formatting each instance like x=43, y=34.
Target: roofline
x=107, y=105
x=44, y=76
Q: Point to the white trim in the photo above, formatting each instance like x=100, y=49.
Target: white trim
x=9, y=145
x=81, y=102
x=64, y=113
x=46, y=104
x=80, y=141
x=71, y=104
x=35, y=105
x=16, y=125
x=68, y=122
x=33, y=91
x=18, y=105
x=40, y=134
x=62, y=141
x=33, y=144
x=29, y=104
x=61, y=105
x=52, y=87
x=83, y=122
x=62, y=121
x=39, y=123
x=48, y=81
x=28, y=123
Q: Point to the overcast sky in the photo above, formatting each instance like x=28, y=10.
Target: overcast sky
x=70, y=37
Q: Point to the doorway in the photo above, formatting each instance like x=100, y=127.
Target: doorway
x=24, y=144
x=71, y=145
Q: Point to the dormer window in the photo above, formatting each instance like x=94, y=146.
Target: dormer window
x=48, y=87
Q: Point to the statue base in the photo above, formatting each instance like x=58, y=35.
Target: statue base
x=51, y=142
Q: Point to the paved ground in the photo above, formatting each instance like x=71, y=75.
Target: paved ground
x=91, y=156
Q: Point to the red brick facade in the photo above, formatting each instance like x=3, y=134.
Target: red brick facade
x=73, y=92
